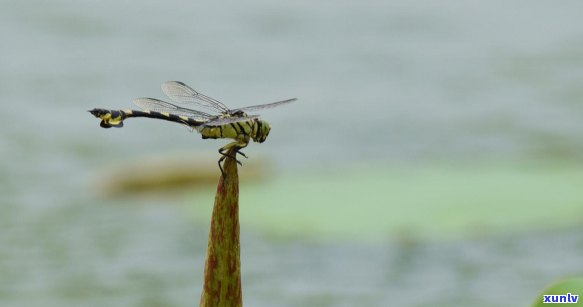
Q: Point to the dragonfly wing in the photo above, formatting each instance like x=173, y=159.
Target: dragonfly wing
x=184, y=94
x=152, y=104
x=229, y=120
x=265, y=106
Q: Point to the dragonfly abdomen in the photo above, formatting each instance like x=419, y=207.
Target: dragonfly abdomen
x=114, y=118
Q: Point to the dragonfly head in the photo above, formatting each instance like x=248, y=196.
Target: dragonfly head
x=263, y=129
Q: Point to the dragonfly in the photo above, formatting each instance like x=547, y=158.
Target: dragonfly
x=221, y=123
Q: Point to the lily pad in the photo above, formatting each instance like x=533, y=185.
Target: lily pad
x=568, y=290
x=419, y=202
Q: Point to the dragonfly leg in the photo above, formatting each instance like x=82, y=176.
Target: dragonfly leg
x=243, y=154
x=233, y=148
x=223, y=157
x=225, y=152
x=220, y=166
x=240, y=145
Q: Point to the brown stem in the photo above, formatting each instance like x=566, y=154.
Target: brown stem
x=222, y=271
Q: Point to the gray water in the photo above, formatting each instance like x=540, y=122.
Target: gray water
x=378, y=82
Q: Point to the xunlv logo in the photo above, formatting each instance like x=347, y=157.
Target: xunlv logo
x=564, y=298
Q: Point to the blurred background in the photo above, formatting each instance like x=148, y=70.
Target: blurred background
x=433, y=157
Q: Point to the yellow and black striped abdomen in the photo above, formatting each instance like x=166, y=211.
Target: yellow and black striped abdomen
x=114, y=118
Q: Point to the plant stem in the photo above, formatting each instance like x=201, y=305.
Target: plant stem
x=222, y=271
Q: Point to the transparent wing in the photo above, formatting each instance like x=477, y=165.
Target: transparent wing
x=184, y=94
x=152, y=104
x=229, y=120
x=265, y=106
